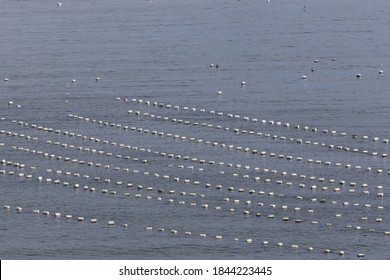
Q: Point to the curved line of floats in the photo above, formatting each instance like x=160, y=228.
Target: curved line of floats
x=193, y=160
x=248, y=199
x=247, y=119
x=218, y=207
x=189, y=234
x=223, y=145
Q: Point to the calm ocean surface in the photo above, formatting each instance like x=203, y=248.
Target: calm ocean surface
x=197, y=165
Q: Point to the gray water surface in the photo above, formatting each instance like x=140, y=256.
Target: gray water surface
x=280, y=168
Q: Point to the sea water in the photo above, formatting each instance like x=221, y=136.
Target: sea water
x=136, y=112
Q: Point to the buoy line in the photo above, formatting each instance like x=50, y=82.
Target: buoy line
x=161, y=232
x=228, y=165
x=41, y=179
x=286, y=125
x=357, y=227
x=275, y=137
x=238, y=148
x=327, y=163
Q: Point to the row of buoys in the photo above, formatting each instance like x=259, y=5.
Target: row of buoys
x=147, y=131
x=209, y=207
x=229, y=165
x=180, y=166
x=57, y=181
x=287, y=125
x=119, y=183
x=219, y=237
x=247, y=212
x=187, y=233
x=87, y=177
x=270, y=216
x=325, y=208
x=216, y=144
x=196, y=183
x=58, y=215
x=379, y=171
x=384, y=155
x=274, y=137
x=268, y=180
